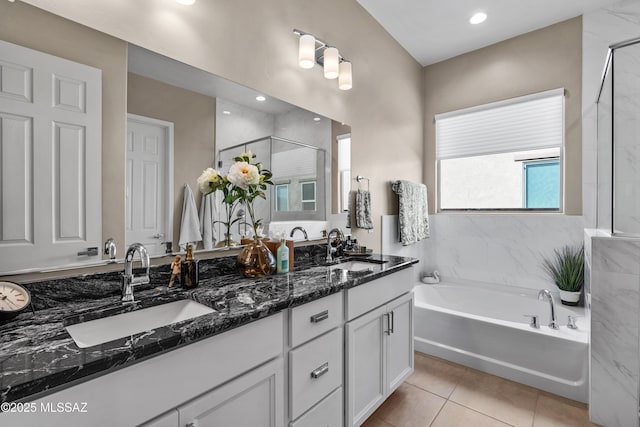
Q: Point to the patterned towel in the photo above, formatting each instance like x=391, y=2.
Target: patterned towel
x=363, y=210
x=413, y=217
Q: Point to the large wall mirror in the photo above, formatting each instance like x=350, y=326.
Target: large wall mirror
x=179, y=120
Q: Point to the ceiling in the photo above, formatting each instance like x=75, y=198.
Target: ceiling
x=434, y=30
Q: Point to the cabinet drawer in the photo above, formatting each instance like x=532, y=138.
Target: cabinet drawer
x=327, y=413
x=315, y=369
x=315, y=318
x=364, y=298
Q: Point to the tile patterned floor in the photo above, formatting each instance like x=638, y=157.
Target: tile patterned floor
x=444, y=394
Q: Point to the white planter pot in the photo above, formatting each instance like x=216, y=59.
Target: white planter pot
x=570, y=298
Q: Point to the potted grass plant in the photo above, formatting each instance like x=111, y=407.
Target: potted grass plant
x=566, y=268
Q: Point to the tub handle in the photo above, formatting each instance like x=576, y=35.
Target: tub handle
x=571, y=322
x=533, y=322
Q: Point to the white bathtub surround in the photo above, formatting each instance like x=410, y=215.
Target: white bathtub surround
x=484, y=326
x=614, y=283
x=505, y=249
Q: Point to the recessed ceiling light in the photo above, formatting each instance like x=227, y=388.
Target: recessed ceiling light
x=186, y=2
x=260, y=98
x=478, y=18
x=226, y=112
x=316, y=119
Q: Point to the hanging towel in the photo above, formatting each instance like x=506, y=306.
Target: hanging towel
x=363, y=210
x=190, y=225
x=413, y=217
x=206, y=220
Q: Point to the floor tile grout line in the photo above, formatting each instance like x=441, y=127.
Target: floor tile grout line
x=438, y=414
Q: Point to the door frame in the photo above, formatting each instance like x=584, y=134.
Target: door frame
x=169, y=158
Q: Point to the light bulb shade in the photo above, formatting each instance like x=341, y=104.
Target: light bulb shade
x=345, y=79
x=331, y=59
x=307, y=51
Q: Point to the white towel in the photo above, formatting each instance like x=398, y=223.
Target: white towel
x=413, y=217
x=190, y=225
x=206, y=220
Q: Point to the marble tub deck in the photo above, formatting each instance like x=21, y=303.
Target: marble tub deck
x=38, y=356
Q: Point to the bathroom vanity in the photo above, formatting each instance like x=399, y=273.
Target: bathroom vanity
x=323, y=345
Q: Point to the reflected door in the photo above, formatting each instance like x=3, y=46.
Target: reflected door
x=148, y=183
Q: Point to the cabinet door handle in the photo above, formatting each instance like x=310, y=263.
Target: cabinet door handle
x=387, y=316
x=393, y=323
x=323, y=315
x=318, y=372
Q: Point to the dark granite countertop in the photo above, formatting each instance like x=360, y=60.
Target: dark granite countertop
x=38, y=356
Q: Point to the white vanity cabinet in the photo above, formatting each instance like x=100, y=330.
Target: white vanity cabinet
x=255, y=399
x=316, y=360
x=378, y=344
x=206, y=380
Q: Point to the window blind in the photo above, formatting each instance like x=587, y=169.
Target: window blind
x=529, y=122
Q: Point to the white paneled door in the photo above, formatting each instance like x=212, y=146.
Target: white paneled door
x=50, y=160
x=149, y=187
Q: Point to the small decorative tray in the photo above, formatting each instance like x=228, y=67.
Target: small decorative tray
x=354, y=253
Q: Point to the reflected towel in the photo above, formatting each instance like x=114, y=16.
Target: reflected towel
x=190, y=224
x=206, y=220
x=350, y=212
x=413, y=216
x=363, y=210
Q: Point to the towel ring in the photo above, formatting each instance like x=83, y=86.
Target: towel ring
x=361, y=178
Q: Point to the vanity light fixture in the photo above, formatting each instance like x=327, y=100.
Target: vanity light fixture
x=260, y=98
x=186, y=2
x=478, y=18
x=316, y=119
x=312, y=50
x=226, y=112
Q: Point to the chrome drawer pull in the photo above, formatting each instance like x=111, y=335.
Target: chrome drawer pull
x=318, y=372
x=324, y=315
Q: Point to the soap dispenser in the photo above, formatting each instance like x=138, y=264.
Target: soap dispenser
x=282, y=263
x=189, y=270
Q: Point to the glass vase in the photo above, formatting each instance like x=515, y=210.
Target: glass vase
x=256, y=260
x=227, y=242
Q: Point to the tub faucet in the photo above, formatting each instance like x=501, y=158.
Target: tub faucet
x=331, y=250
x=545, y=294
x=304, y=232
x=128, y=280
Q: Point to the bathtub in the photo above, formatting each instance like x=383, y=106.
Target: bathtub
x=484, y=326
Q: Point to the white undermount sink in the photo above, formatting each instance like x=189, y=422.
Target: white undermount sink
x=355, y=266
x=99, y=331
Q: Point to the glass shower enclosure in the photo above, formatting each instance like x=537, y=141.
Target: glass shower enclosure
x=618, y=108
x=300, y=177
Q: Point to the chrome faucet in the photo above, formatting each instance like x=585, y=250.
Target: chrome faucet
x=545, y=294
x=128, y=280
x=330, y=249
x=304, y=232
x=110, y=249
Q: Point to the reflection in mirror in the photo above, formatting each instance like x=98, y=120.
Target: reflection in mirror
x=299, y=176
x=295, y=144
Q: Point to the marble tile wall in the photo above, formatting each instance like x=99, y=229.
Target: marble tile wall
x=615, y=332
x=502, y=249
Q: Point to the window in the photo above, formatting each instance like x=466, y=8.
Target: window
x=282, y=197
x=502, y=156
x=541, y=184
x=308, y=191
